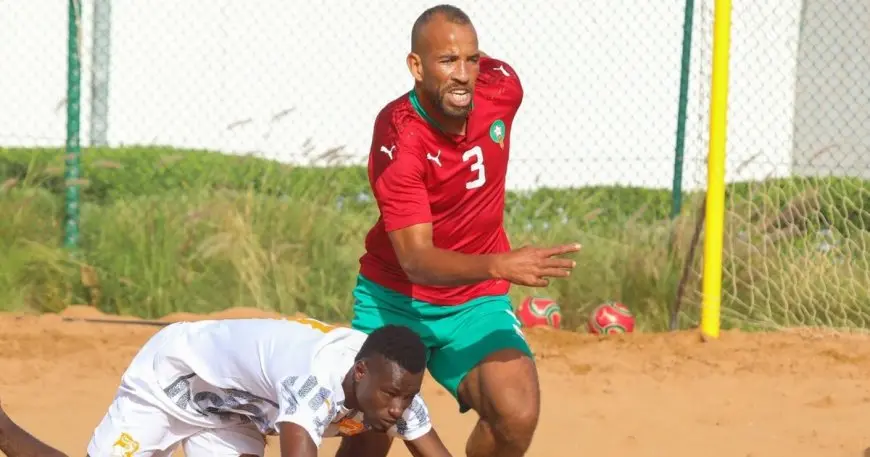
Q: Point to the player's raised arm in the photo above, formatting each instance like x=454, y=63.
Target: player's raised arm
x=16, y=442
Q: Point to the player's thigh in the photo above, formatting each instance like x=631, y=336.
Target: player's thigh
x=376, y=306
x=132, y=426
x=486, y=344
x=235, y=441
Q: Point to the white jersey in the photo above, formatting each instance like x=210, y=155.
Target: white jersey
x=225, y=373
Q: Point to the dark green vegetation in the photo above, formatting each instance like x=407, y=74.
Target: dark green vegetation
x=168, y=230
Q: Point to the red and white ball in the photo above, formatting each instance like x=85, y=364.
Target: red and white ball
x=610, y=318
x=539, y=312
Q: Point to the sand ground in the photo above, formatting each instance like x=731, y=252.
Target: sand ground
x=796, y=394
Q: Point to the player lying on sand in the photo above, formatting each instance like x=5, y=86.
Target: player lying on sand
x=219, y=387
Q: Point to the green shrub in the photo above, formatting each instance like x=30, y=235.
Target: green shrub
x=112, y=174
x=170, y=230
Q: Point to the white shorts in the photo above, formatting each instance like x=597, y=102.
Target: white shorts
x=138, y=425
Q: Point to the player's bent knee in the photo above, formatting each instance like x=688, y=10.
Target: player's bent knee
x=515, y=424
x=504, y=391
x=509, y=435
x=511, y=395
x=511, y=431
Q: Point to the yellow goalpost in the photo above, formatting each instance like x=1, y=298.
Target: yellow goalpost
x=715, y=207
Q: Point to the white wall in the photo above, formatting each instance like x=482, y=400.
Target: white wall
x=601, y=79
x=832, y=107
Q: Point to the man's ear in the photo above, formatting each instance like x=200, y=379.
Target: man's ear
x=415, y=66
x=360, y=370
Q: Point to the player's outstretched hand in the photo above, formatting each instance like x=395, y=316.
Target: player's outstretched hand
x=531, y=266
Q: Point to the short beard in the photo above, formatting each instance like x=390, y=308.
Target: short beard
x=450, y=112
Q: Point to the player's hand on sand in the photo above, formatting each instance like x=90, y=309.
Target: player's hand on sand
x=531, y=266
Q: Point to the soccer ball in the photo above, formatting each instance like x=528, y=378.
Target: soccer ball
x=537, y=312
x=610, y=318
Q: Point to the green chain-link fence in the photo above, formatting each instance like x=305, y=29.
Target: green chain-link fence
x=610, y=143
x=796, y=243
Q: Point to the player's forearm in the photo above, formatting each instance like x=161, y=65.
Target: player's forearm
x=428, y=445
x=441, y=267
x=16, y=442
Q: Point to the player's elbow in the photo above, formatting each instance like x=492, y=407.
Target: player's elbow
x=415, y=269
x=418, y=267
x=415, y=252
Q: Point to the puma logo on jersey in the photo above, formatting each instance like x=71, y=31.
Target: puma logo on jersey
x=388, y=152
x=502, y=70
x=436, y=159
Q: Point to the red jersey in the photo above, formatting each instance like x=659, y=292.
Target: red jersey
x=420, y=174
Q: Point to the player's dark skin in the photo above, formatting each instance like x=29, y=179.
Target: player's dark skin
x=503, y=389
x=382, y=390
x=16, y=442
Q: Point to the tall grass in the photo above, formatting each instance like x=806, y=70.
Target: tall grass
x=189, y=245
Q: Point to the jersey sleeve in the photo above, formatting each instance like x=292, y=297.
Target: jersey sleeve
x=503, y=80
x=397, y=177
x=414, y=423
x=306, y=402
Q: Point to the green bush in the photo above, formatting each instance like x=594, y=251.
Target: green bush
x=207, y=251
x=168, y=230
x=112, y=174
x=118, y=173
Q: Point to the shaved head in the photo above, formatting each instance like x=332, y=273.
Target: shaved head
x=448, y=13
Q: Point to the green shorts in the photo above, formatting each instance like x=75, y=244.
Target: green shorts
x=458, y=337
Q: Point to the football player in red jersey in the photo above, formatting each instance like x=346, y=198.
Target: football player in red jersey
x=438, y=259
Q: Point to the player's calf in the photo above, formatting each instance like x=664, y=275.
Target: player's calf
x=504, y=391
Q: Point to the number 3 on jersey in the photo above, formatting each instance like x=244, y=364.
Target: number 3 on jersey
x=475, y=153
